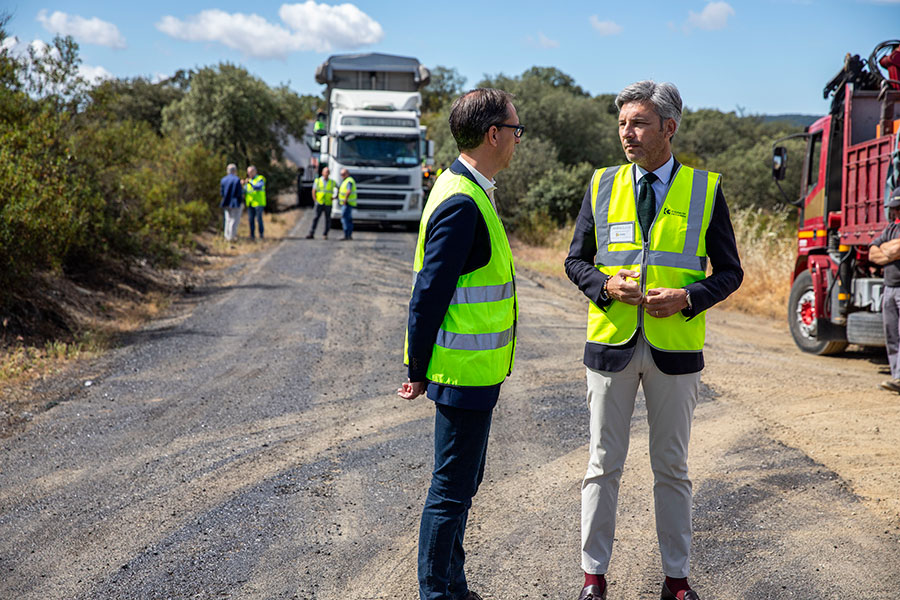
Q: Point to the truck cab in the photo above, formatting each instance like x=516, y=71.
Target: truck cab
x=847, y=170
x=373, y=130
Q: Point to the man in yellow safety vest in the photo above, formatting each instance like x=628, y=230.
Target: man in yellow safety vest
x=323, y=195
x=347, y=198
x=639, y=253
x=461, y=331
x=255, y=197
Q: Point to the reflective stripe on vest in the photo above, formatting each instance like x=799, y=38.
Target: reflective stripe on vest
x=254, y=197
x=673, y=257
x=324, y=190
x=347, y=191
x=475, y=345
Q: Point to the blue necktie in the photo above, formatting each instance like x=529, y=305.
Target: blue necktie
x=646, y=205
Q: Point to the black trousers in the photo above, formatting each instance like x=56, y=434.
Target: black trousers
x=321, y=209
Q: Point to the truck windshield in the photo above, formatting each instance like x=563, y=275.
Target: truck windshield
x=378, y=151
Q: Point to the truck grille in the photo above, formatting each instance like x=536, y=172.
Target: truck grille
x=373, y=179
x=366, y=201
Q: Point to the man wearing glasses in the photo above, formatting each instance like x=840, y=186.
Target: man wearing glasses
x=461, y=332
x=639, y=253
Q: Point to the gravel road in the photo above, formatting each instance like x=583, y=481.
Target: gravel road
x=253, y=447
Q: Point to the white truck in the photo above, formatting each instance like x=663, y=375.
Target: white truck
x=372, y=118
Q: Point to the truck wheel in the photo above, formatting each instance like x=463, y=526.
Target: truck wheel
x=802, y=318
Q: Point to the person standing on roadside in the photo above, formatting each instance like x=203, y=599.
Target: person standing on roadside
x=639, y=253
x=255, y=193
x=461, y=332
x=885, y=251
x=323, y=194
x=232, y=193
x=347, y=198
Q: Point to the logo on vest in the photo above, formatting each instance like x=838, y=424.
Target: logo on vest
x=674, y=213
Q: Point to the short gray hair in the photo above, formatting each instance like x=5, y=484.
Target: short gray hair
x=231, y=168
x=663, y=96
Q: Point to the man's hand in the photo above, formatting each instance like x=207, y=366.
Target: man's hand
x=665, y=302
x=412, y=389
x=620, y=288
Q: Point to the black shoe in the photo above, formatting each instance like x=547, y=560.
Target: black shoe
x=310, y=236
x=667, y=595
x=891, y=384
x=592, y=592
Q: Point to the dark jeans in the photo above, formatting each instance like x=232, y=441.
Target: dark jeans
x=256, y=216
x=460, y=448
x=347, y=221
x=321, y=210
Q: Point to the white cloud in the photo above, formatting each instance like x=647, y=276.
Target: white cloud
x=605, y=27
x=327, y=27
x=94, y=74
x=542, y=41
x=312, y=26
x=86, y=31
x=713, y=16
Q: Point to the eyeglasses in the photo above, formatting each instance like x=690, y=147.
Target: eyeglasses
x=519, y=129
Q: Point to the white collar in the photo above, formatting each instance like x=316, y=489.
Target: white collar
x=664, y=172
x=486, y=184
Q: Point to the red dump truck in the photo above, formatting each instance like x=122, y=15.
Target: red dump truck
x=851, y=163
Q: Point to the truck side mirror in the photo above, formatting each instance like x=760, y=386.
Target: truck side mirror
x=313, y=143
x=779, y=162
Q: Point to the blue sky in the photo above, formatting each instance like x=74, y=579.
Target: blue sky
x=759, y=56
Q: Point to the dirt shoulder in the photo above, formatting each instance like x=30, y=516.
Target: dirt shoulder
x=829, y=407
x=51, y=341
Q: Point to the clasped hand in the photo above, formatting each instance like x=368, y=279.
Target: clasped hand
x=625, y=287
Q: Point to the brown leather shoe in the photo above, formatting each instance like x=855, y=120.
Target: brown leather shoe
x=592, y=592
x=891, y=384
x=667, y=595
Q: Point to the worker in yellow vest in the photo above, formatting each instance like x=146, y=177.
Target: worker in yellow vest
x=347, y=198
x=255, y=197
x=642, y=241
x=461, y=332
x=323, y=191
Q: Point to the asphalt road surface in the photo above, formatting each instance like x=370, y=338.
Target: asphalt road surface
x=254, y=447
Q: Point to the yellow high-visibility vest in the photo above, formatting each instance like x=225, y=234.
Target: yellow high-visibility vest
x=254, y=197
x=673, y=256
x=347, y=192
x=324, y=190
x=476, y=343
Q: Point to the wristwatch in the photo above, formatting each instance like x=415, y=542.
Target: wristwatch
x=604, y=295
x=687, y=298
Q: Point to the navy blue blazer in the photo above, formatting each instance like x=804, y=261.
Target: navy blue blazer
x=232, y=191
x=456, y=242
x=726, y=277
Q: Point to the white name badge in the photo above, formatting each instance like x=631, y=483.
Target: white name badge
x=621, y=233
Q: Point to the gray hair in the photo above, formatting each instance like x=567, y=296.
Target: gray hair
x=231, y=169
x=663, y=96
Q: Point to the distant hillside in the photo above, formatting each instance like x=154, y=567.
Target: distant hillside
x=800, y=120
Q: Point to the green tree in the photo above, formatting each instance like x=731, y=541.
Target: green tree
x=238, y=116
x=136, y=99
x=445, y=85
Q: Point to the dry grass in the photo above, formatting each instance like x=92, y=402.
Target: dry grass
x=766, y=244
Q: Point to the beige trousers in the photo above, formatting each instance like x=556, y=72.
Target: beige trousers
x=670, y=408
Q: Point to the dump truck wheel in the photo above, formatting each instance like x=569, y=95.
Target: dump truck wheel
x=802, y=318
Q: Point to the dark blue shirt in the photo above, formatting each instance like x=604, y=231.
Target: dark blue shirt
x=726, y=277
x=232, y=191
x=456, y=242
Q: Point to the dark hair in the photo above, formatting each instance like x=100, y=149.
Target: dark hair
x=473, y=113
